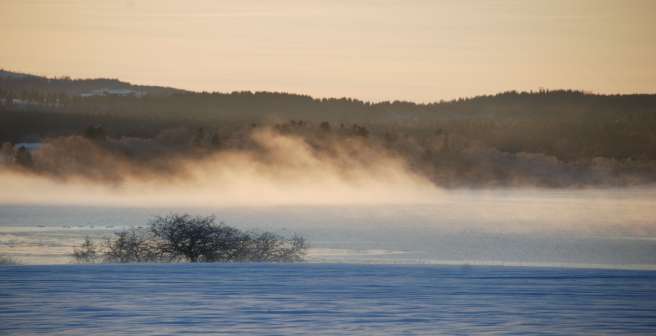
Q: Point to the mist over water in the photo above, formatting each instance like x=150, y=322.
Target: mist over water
x=464, y=227
x=355, y=202
x=280, y=170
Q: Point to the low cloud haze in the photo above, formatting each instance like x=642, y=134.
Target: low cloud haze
x=269, y=168
x=275, y=169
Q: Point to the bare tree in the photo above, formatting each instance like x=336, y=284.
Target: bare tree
x=271, y=247
x=196, y=238
x=133, y=245
x=181, y=237
x=87, y=252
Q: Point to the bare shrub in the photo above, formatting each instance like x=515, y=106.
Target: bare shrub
x=182, y=237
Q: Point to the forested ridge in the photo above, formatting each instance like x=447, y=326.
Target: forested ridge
x=573, y=130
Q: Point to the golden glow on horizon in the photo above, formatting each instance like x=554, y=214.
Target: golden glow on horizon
x=375, y=50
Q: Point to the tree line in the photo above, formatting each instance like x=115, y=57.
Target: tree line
x=567, y=124
x=546, y=138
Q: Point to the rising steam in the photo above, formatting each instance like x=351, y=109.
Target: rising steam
x=269, y=168
x=274, y=169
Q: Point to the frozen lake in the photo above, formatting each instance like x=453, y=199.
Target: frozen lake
x=585, y=228
x=324, y=299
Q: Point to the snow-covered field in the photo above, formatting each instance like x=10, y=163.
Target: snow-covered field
x=323, y=299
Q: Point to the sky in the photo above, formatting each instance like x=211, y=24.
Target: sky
x=369, y=49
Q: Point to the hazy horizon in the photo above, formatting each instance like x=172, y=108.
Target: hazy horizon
x=370, y=50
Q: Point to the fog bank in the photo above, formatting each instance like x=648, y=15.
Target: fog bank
x=272, y=169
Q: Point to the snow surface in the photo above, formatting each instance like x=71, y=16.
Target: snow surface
x=323, y=299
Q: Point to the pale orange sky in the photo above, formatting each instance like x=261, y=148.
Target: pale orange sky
x=374, y=50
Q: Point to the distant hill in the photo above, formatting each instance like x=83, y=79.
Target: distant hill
x=559, y=138
x=16, y=81
x=14, y=75
x=568, y=124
